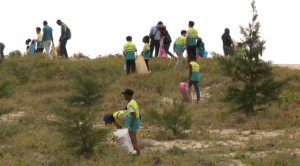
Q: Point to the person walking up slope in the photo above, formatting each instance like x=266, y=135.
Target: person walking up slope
x=179, y=47
x=133, y=120
x=194, y=75
x=63, y=39
x=47, y=38
x=146, y=51
x=129, y=50
x=191, y=37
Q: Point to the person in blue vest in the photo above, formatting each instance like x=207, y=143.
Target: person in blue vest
x=63, y=39
x=132, y=121
x=129, y=50
x=2, y=46
x=146, y=51
x=191, y=37
x=194, y=75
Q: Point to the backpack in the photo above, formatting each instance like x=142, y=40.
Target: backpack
x=167, y=37
x=68, y=33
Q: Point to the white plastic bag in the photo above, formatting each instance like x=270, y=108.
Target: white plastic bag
x=122, y=138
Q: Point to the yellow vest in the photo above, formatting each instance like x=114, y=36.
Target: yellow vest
x=40, y=45
x=116, y=116
x=129, y=50
x=135, y=107
x=192, y=37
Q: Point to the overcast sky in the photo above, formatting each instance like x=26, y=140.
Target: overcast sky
x=100, y=27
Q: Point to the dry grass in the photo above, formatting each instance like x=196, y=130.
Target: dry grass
x=225, y=137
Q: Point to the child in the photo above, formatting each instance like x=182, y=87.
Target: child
x=178, y=47
x=200, y=47
x=240, y=52
x=146, y=51
x=27, y=42
x=129, y=53
x=194, y=75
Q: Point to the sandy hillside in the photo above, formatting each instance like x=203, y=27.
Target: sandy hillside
x=292, y=66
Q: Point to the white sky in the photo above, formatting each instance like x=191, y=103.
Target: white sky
x=100, y=27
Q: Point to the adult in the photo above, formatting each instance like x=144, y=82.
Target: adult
x=178, y=47
x=63, y=39
x=129, y=50
x=39, y=41
x=118, y=119
x=227, y=42
x=2, y=46
x=165, y=39
x=47, y=38
x=132, y=121
x=155, y=39
x=191, y=37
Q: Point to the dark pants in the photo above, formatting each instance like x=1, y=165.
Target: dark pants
x=146, y=61
x=155, y=43
x=63, y=49
x=39, y=50
x=130, y=64
x=166, y=47
x=191, y=50
x=196, y=85
x=2, y=46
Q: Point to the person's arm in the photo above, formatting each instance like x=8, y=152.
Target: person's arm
x=135, y=48
x=148, y=50
x=62, y=32
x=124, y=53
x=203, y=48
x=132, y=119
x=44, y=34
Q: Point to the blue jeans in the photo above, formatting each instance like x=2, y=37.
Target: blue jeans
x=196, y=85
x=63, y=49
x=166, y=47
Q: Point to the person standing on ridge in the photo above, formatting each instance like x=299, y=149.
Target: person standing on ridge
x=129, y=50
x=39, y=41
x=191, y=37
x=179, y=47
x=166, y=40
x=2, y=46
x=47, y=38
x=227, y=42
x=28, y=43
x=63, y=39
x=146, y=51
x=155, y=39
x=133, y=120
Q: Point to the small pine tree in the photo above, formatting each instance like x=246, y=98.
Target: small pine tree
x=176, y=119
x=76, y=123
x=259, y=86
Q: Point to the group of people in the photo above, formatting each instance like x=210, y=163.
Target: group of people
x=44, y=40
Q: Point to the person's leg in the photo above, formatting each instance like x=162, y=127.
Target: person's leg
x=47, y=47
x=39, y=50
x=66, y=52
x=189, y=52
x=63, y=47
x=152, y=44
x=225, y=51
x=127, y=66
x=180, y=58
x=196, y=85
x=132, y=65
x=166, y=47
x=157, y=44
x=146, y=61
x=134, y=142
x=194, y=50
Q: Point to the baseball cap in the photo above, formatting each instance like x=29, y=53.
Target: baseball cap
x=128, y=92
x=105, y=118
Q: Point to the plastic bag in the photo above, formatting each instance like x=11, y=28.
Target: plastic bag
x=162, y=53
x=31, y=49
x=57, y=48
x=124, y=143
x=141, y=67
x=185, y=91
x=53, y=53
